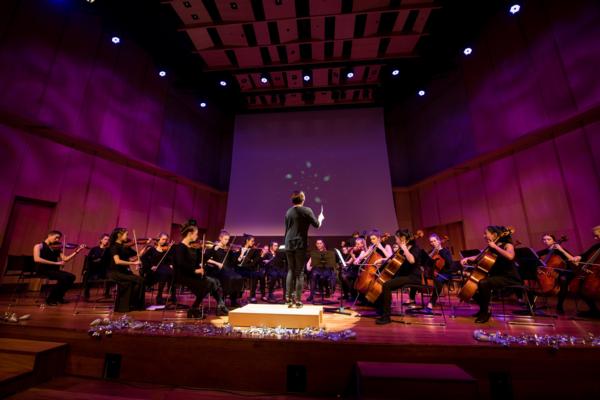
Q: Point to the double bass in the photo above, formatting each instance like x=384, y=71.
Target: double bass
x=482, y=266
x=547, y=275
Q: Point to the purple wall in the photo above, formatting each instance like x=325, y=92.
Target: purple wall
x=526, y=77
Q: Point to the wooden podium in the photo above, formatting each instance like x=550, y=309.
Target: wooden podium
x=275, y=315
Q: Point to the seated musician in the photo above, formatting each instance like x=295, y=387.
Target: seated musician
x=322, y=276
x=502, y=274
x=350, y=272
x=96, y=267
x=49, y=260
x=564, y=277
x=590, y=260
x=157, y=263
x=190, y=273
x=276, y=270
x=130, y=284
x=251, y=269
x=410, y=272
x=219, y=265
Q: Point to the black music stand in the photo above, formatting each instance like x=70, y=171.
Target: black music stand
x=251, y=259
x=327, y=259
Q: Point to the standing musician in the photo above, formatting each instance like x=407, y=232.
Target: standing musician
x=297, y=221
x=218, y=265
x=564, y=277
x=250, y=267
x=503, y=272
x=349, y=274
x=590, y=265
x=410, y=272
x=130, y=293
x=320, y=275
x=49, y=259
x=157, y=264
x=96, y=267
x=276, y=270
x=190, y=273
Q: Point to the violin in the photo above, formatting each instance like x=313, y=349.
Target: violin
x=69, y=246
x=199, y=244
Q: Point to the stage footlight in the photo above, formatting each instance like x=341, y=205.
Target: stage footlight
x=421, y=93
x=223, y=83
x=467, y=51
x=395, y=72
x=116, y=39
x=515, y=8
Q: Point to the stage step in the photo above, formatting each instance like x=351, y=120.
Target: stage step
x=25, y=363
x=383, y=380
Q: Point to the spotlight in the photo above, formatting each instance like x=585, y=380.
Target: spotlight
x=349, y=74
x=223, y=83
x=395, y=72
x=515, y=8
x=90, y=1
x=421, y=93
x=203, y=105
x=162, y=74
x=116, y=39
x=306, y=78
x=264, y=80
x=467, y=51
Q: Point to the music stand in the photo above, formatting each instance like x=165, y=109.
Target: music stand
x=251, y=259
x=327, y=259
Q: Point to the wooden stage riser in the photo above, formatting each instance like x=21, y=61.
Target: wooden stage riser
x=260, y=365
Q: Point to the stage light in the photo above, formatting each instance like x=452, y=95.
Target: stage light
x=349, y=74
x=90, y=1
x=395, y=72
x=223, y=83
x=515, y=8
x=264, y=80
x=467, y=51
x=203, y=105
x=421, y=93
x=162, y=74
x=306, y=77
x=116, y=39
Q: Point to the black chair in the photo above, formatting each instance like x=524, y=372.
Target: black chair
x=98, y=307
x=423, y=289
x=523, y=320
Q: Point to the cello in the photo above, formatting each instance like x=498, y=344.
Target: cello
x=369, y=273
x=547, y=275
x=482, y=266
x=587, y=277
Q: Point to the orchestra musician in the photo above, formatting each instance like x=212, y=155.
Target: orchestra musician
x=189, y=271
x=251, y=268
x=96, y=267
x=564, y=277
x=320, y=275
x=130, y=293
x=218, y=265
x=349, y=274
x=590, y=258
x=502, y=274
x=275, y=269
x=410, y=272
x=50, y=259
x=298, y=219
x=157, y=264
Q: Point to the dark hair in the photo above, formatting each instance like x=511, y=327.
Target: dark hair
x=435, y=235
x=54, y=233
x=223, y=232
x=189, y=226
x=408, y=235
x=161, y=234
x=115, y=234
x=298, y=197
x=248, y=237
x=551, y=235
x=498, y=230
x=374, y=232
x=272, y=243
x=103, y=236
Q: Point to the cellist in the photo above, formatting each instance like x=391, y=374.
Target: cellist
x=502, y=274
x=564, y=277
x=588, y=257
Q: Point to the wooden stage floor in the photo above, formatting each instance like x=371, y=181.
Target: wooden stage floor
x=256, y=364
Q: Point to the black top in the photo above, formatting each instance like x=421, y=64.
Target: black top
x=503, y=266
x=124, y=253
x=589, y=252
x=186, y=261
x=152, y=257
x=98, y=259
x=51, y=255
x=297, y=221
x=412, y=269
x=447, y=257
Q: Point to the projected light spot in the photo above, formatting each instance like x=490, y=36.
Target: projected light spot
x=295, y=183
x=308, y=164
x=288, y=176
x=326, y=178
x=315, y=175
x=316, y=188
x=317, y=199
x=302, y=172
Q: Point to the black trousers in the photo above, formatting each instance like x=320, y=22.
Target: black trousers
x=275, y=274
x=438, y=282
x=296, y=260
x=202, y=285
x=348, y=277
x=163, y=275
x=92, y=274
x=322, y=277
x=397, y=283
x=256, y=277
x=64, y=281
x=485, y=287
x=130, y=291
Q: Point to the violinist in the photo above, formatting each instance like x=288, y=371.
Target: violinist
x=564, y=277
x=218, y=265
x=49, y=260
x=503, y=272
x=350, y=272
x=124, y=270
x=249, y=266
x=157, y=264
x=187, y=262
x=96, y=266
x=410, y=272
x=320, y=275
x=275, y=266
x=588, y=265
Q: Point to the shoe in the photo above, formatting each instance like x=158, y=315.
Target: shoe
x=298, y=304
x=310, y=299
x=589, y=314
x=289, y=302
x=408, y=303
x=412, y=305
x=383, y=320
x=264, y=299
x=63, y=301
x=560, y=311
x=222, y=310
x=194, y=313
x=51, y=303
x=253, y=300
x=428, y=310
x=271, y=299
x=483, y=318
x=160, y=301
x=477, y=314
